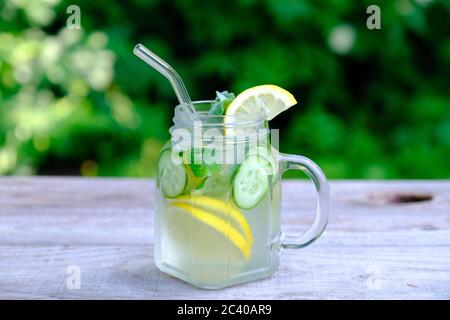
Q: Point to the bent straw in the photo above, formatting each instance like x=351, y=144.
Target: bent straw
x=166, y=70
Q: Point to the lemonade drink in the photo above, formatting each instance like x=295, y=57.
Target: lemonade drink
x=217, y=220
x=207, y=233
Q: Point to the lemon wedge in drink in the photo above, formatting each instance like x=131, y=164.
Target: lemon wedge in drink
x=270, y=98
x=225, y=210
x=222, y=217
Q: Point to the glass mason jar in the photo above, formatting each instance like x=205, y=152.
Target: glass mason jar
x=217, y=220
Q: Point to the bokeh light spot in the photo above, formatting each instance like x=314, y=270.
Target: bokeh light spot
x=342, y=38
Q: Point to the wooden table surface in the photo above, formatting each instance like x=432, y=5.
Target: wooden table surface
x=376, y=245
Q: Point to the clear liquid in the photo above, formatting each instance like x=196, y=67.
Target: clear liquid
x=190, y=249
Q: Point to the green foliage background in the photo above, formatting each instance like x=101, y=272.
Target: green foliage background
x=372, y=103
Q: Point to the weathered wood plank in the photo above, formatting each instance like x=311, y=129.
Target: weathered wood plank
x=315, y=273
x=371, y=249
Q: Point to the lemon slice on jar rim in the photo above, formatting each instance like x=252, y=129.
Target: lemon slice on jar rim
x=270, y=98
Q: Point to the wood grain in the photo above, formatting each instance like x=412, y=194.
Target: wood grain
x=372, y=249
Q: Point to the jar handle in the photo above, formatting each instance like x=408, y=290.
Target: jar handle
x=295, y=162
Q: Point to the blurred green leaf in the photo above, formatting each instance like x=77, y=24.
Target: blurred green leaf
x=373, y=104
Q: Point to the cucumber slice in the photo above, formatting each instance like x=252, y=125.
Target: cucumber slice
x=164, y=158
x=173, y=177
x=267, y=155
x=251, y=182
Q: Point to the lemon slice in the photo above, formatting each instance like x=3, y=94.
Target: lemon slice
x=270, y=98
x=218, y=224
x=205, y=208
x=225, y=210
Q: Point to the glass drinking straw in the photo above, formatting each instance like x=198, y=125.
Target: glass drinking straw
x=166, y=70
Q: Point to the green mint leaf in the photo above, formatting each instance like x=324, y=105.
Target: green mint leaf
x=216, y=109
x=221, y=103
x=196, y=163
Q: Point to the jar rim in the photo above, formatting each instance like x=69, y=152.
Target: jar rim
x=219, y=120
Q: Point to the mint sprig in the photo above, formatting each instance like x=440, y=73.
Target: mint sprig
x=220, y=104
